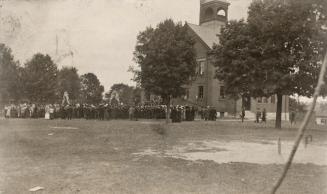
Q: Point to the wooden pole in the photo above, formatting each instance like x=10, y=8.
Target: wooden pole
x=303, y=127
x=279, y=146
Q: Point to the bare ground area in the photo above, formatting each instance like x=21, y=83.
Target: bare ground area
x=104, y=157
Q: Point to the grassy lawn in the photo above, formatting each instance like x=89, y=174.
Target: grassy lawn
x=99, y=157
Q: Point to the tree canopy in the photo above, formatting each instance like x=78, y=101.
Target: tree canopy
x=291, y=41
x=235, y=58
x=166, y=60
x=40, y=79
x=278, y=51
x=91, y=89
x=123, y=92
x=9, y=75
x=68, y=81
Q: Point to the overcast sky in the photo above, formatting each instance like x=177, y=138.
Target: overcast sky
x=100, y=33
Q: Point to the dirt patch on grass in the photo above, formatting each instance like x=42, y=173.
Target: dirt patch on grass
x=99, y=158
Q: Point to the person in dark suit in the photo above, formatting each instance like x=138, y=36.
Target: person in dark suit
x=264, y=116
x=243, y=114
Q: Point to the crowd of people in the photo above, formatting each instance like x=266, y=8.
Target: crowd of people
x=208, y=114
x=24, y=110
x=98, y=112
x=114, y=112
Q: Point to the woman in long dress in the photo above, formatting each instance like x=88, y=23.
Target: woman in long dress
x=47, y=112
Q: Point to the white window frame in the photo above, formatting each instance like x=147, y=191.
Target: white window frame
x=201, y=66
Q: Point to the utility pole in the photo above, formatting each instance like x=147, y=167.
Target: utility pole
x=57, y=45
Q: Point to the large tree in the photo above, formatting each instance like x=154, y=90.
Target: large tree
x=9, y=75
x=91, y=89
x=40, y=79
x=236, y=59
x=68, y=81
x=166, y=60
x=277, y=52
x=124, y=92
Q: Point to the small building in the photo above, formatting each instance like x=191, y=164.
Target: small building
x=321, y=117
x=205, y=90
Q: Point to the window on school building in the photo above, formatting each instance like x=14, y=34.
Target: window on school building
x=222, y=92
x=201, y=67
x=259, y=100
x=201, y=92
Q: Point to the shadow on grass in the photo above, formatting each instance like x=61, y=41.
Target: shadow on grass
x=159, y=128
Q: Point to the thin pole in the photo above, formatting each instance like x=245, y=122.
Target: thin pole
x=303, y=127
x=285, y=106
x=57, y=45
x=279, y=146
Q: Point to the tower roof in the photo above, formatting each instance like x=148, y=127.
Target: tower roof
x=208, y=36
x=209, y=1
x=214, y=11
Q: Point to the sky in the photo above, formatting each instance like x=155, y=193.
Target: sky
x=101, y=34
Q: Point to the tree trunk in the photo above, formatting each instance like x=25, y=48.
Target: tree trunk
x=278, y=124
x=243, y=101
x=168, y=110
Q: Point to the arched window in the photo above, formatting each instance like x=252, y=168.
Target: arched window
x=208, y=13
x=221, y=12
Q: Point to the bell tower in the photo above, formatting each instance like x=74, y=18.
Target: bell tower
x=213, y=13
